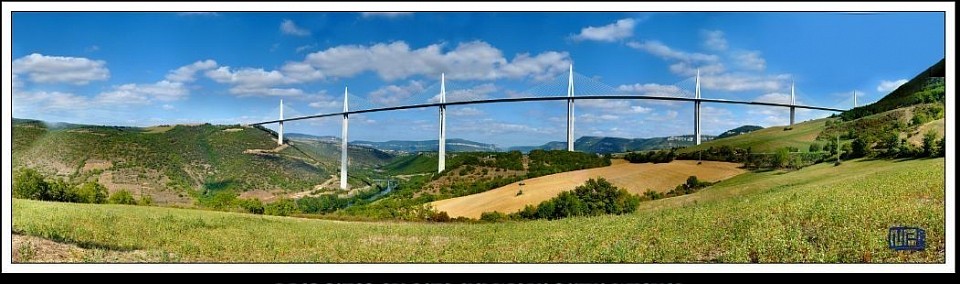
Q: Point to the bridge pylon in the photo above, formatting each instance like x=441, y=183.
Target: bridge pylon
x=343, y=143
x=442, y=142
x=280, y=129
x=696, y=110
x=570, y=117
x=793, y=103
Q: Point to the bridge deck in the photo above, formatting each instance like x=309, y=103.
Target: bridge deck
x=563, y=98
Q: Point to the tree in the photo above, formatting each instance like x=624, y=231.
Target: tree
x=942, y=147
x=781, y=158
x=122, y=197
x=861, y=147
x=815, y=147
x=29, y=184
x=92, y=192
x=929, y=143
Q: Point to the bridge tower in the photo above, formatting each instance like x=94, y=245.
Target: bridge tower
x=442, y=142
x=570, y=117
x=696, y=110
x=343, y=143
x=280, y=131
x=793, y=103
x=854, y=98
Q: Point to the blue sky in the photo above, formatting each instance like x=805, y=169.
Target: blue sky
x=224, y=68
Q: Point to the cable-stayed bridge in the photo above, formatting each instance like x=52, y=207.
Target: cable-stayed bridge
x=569, y=87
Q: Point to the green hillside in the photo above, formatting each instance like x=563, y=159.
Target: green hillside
x=819, y=214
x=926, y=87
x=177, y=159
x=769, y=139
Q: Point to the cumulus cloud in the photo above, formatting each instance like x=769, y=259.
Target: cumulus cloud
x=479, y=92
x=186, y=73
x=465, y=111
x=745, y=82
x=394, y=94
x=662, y=50
x=750, y=60
x=60, y=69
x=288, y=27
x=612, y=106
x=254, y=81
x=651, y=89
x=714, y=40
x=475, y=60
x=143, y=93
x=618, y=30
x=888, y=86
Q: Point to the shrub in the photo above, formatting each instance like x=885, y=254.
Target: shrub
x=439, y=216
x=145, y=200
x=595, y=197
x=122, y=197
x=92, y=192
x=254, y=206
x=781, y=158
x=29, y=184
x=861, y=147
x=929, y=143
x=493, y=216
x=282, y=207
x=815, y=147
x=60, y=190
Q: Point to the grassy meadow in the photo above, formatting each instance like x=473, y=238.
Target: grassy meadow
x=818, y=214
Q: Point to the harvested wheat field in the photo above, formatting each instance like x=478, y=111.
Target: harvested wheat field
x=635, y=178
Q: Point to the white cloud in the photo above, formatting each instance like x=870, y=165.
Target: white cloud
x=186, y=73
x=774, y=98
x=303, y=48
x=254, y=82
x=479, y=92
x=167, y=107
x=143, y=93
x=92, y=48
x=714, y=40
x=288, y=27
x=744, y=82
x=888, y=86
x=750, y=60
x=591, y=118
x=651, y=89
x=659, y=49
x=42, y=101
x=618, y=30
x=385, y=14
x=58, y=69
x=475, y=60
x=612, y=106
x=492, y=127
x=465, y=111
x=543, y=66
x=301, y=72
x=393, y=94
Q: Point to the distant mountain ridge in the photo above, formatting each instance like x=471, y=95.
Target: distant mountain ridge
x=453, y=145
x=605, y=145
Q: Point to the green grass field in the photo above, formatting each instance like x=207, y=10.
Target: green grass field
x=770, y=139
x=821, y=213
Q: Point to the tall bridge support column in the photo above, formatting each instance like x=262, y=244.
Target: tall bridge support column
x=793, y=102
x=570, y=116
x=280, y=130
x=343, y=144
x=696, y=111
x=442, y=142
